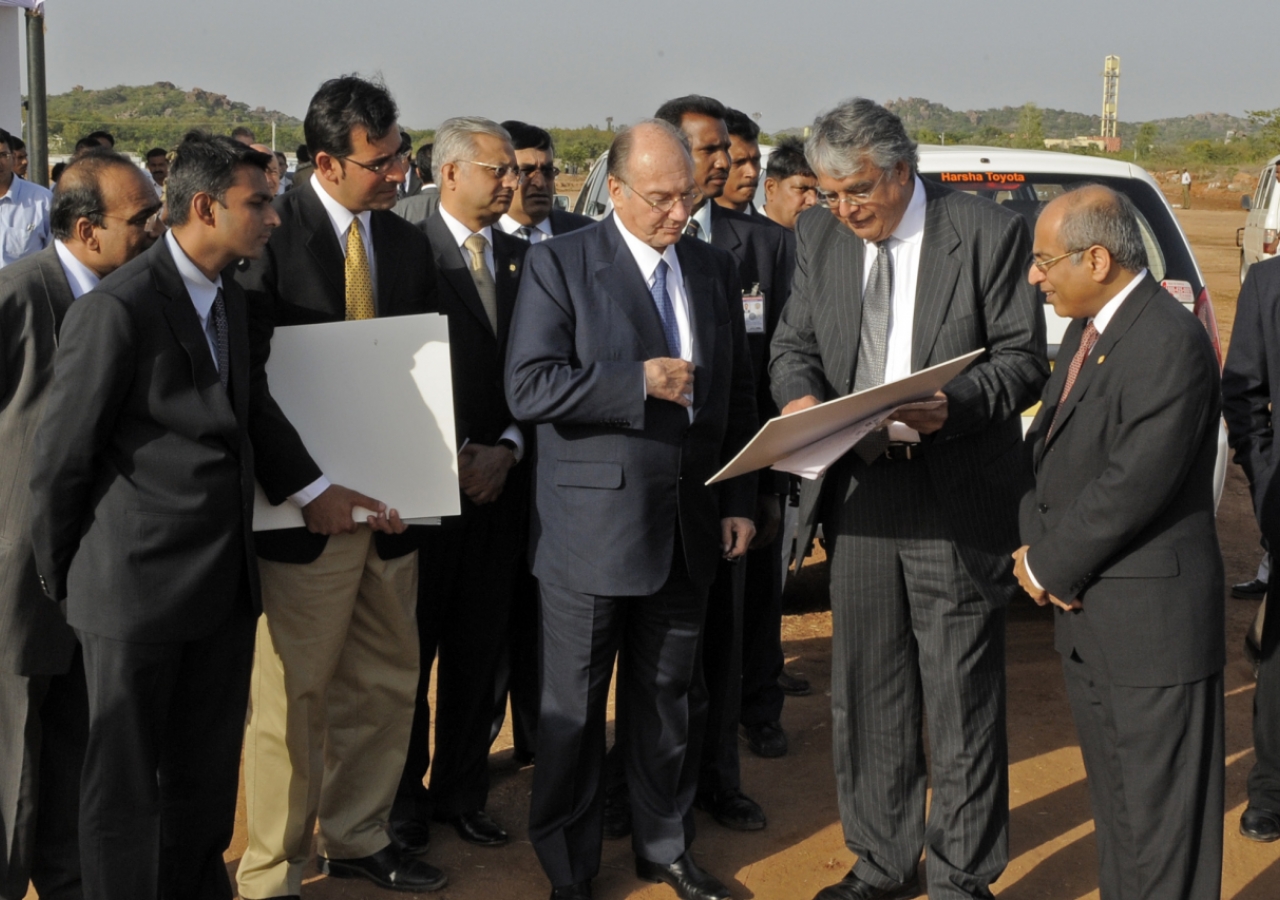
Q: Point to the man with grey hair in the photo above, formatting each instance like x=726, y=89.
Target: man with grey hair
x=468, y=563
x=895, y=275
x=611, y=323
x=1118, y=534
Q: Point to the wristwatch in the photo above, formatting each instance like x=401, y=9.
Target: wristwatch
x=510, y=445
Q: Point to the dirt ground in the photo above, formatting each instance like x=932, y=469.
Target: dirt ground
x=1052, y=850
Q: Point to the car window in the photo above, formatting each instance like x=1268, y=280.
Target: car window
x=1026, y=193
x=1266, y=173
x=1268, y=187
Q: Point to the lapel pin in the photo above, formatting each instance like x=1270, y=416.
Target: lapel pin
x=1102, y=358
x=513, y=267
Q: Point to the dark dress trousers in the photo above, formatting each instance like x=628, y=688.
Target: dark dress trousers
x=625, y=533
x=1122, y=517
x=919, y=548
x=142, y=492
x=467, y=565
x=1250, y=379
x=44, y=719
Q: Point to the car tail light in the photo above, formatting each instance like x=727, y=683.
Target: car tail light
x=1270, y=238
x=1204, y=312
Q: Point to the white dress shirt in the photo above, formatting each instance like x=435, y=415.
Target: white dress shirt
x=1100, y=323
x=24, y=220
x=537, y=233
x=81, y=278
x=460, y=234
x=647, y=260
x=341, y=217
x=904, y=251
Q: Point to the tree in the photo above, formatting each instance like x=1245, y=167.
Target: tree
x=1266, y=123
x=1030, y=133
x=927, y=136
x=1146, y=138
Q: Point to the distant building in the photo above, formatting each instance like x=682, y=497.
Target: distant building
x=1107, y=144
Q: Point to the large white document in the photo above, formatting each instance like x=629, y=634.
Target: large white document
x=807, y=443
x=373, y=403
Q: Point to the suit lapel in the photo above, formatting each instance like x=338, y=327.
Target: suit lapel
x=699, y=291
x=238, y=328
x=56, y=287
x=723, y=232
x=936, y=279
x=322, y=244
x=383, y=251
x=507, y=262
x=619, y=275
x=454, y=269
x=847, y=251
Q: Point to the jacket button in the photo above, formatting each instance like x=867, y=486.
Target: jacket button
x=1043, y=507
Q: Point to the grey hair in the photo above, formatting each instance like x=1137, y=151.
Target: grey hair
x=620, y=149
x=1110, y=222
x=857, y=130
x=455, y=140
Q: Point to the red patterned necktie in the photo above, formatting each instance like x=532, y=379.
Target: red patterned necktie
x=1087, y=339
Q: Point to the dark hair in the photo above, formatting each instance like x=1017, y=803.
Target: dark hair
x=78, y=194
x=422, y=161
x=406, y=142
x=787, y=160
x=16, y=143
x=99, y=135
x=87, y=143
x=242, y=131
x=529, y=137
x=156, y=151
x=674, y=111
x=56, y=175
x=303, y=154
x=206, y=164
x=740, y=125
x=282, y=159
x=340, y=105
x=7, y=139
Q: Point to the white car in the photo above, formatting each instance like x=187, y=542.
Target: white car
x=1259, y=239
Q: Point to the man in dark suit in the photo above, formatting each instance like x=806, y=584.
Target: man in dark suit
x=533, y=218
x=418, y=207
x=142, y=498
x=893, y=276
x=468, y=563
x=337, y=651
x=1118, y=534
x=744, y=163
x=611, y=323
x=1250, y=379
x=98, y=221
x=789, y=185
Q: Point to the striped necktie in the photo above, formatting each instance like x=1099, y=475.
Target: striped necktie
x=873, y=342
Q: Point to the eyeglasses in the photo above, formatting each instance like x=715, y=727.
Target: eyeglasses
x=138, y=221
x=5, y=154
x=548, y=172
x=499, y=172
x=688, y=198
x=383, y=168
x=828, y=200
x=1045, y=264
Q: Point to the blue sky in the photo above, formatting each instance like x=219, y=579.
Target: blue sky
x=575, y=62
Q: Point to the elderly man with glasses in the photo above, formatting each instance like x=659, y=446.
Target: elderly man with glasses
x=895, y=275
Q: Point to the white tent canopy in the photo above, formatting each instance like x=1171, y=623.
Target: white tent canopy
x=37, y=5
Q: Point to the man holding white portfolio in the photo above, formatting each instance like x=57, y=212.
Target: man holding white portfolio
x=894, y=276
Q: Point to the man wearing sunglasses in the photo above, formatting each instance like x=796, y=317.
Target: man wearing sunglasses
x=336, y=667
x=896, y=275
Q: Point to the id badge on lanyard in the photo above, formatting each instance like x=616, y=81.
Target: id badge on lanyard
x=753, y=310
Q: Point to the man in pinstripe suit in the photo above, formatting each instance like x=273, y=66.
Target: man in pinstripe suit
x=893, y=276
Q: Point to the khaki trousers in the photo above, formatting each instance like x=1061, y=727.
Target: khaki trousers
x=331, y=702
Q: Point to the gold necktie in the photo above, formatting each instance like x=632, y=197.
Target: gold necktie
x=480, y=274
x=359, y=282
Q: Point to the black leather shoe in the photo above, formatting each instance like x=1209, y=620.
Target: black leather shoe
x=690, y=881
x=793, y=685
x=1249, y=590
x=579, y=891
x=387, y=868
x=479, y=829
x=851, y=887
x=766, y=739
x=732, y=809
x=1260, y=825
x=617, y=813
x=412, y=836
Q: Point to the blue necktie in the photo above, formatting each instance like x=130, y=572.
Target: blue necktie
x=670, y=327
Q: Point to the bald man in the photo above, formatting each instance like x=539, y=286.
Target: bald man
x=1118, y=534
x=98, y=217
x=628, y=350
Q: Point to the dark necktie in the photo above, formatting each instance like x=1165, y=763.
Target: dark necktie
x=670, y=328
x=1088, y=338
x=693, y=229
x=873, y=342
x=222, y=339
x=524, y=231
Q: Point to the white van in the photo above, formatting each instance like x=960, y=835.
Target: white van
x=1260, y=237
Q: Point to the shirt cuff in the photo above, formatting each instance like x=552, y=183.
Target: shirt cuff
x=310, y=492
x=515, y=436
x=1026, y=564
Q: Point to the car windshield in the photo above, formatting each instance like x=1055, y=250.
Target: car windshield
x=1026, y=193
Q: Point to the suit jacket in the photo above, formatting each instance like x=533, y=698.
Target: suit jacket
x=34, y=297
x=300, y=279
x=765, y=254
x=142, y=483
x=971, y=293
x=418, y=207
x=1122, y=513
x=563, y=221
x=476, y=353
x=1251, y=377
x=616, y=469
